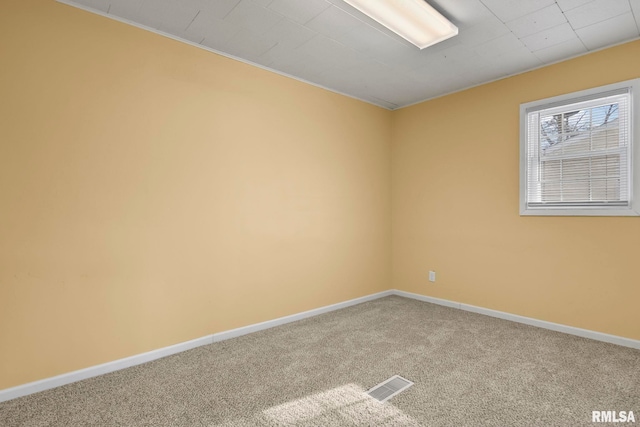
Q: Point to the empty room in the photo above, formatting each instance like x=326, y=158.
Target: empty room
x=319, y=213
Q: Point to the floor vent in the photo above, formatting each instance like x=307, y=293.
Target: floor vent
x=389, y=388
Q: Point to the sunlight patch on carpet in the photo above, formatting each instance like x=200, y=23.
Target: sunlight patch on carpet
x=347, y=404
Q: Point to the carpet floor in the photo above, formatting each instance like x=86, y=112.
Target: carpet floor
x=468, y=370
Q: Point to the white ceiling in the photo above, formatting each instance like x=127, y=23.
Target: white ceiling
x=330, y=44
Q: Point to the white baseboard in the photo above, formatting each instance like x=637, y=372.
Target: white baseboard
x=105, y=368
x=93, y=371
x=425, y=298
x=233, y=333
x=585, y=333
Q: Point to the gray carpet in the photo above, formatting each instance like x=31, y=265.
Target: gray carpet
x=468, y=370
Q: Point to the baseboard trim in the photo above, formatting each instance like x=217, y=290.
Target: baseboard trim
x=584, y=333
x=138, y=359
x=105, y=368
x=233, y=333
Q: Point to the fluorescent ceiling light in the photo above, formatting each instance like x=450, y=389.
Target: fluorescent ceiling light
x=414, y=20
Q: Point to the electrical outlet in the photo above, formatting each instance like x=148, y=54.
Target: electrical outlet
x=432, y=276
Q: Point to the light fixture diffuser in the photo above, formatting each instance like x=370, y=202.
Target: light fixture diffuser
x=414, y=20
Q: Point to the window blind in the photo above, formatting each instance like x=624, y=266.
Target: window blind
x=579, y=152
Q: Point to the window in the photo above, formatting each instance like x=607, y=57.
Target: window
x=577, y=153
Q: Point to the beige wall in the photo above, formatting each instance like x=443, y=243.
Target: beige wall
x=152, y=193
x=455, y=208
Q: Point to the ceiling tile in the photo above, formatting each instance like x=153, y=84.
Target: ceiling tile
x=488, y=29
x=420, y=73
x=339, y=81
x=560, y=51
x=508, y=10
x=333, y=22
x=444, y=45
x=516, y=61
x=372, y=71
x=445, y=85
x=101, y=5
x=481, y=75
x=297, y=62
x=571, y=4
x=618, y=29
x=332, y=53
x=405, y=57
x=596, y=11
x=253, y=17
x=299, y=11
x=262, y=3
x=337, y=2
x=452, y=62
x=460, y=58
x=499, y=46
x=167, y=15
x=369, y=75
x=391, y=91
x=248, y=45
x=462, y=13
x=215, y=44
x=128, y=9
x=206, y=26
x=369, y=41
x=312, y=58
x=288, y=34
x=420, y=93
x=276, y=56
x=537, y=21
x=218, y=9
x=635, y=7
x=552, y=36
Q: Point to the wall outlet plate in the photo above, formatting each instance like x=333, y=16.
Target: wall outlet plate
x=432, y=276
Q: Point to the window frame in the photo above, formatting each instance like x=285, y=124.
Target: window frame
x=633, y=209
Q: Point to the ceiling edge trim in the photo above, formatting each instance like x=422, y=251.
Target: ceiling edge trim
x=226, y=55
x=520, y=72
x=271, y=70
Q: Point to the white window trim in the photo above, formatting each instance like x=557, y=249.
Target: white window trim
x=634, y=203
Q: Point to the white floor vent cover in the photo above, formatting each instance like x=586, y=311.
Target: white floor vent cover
x=389, y=388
